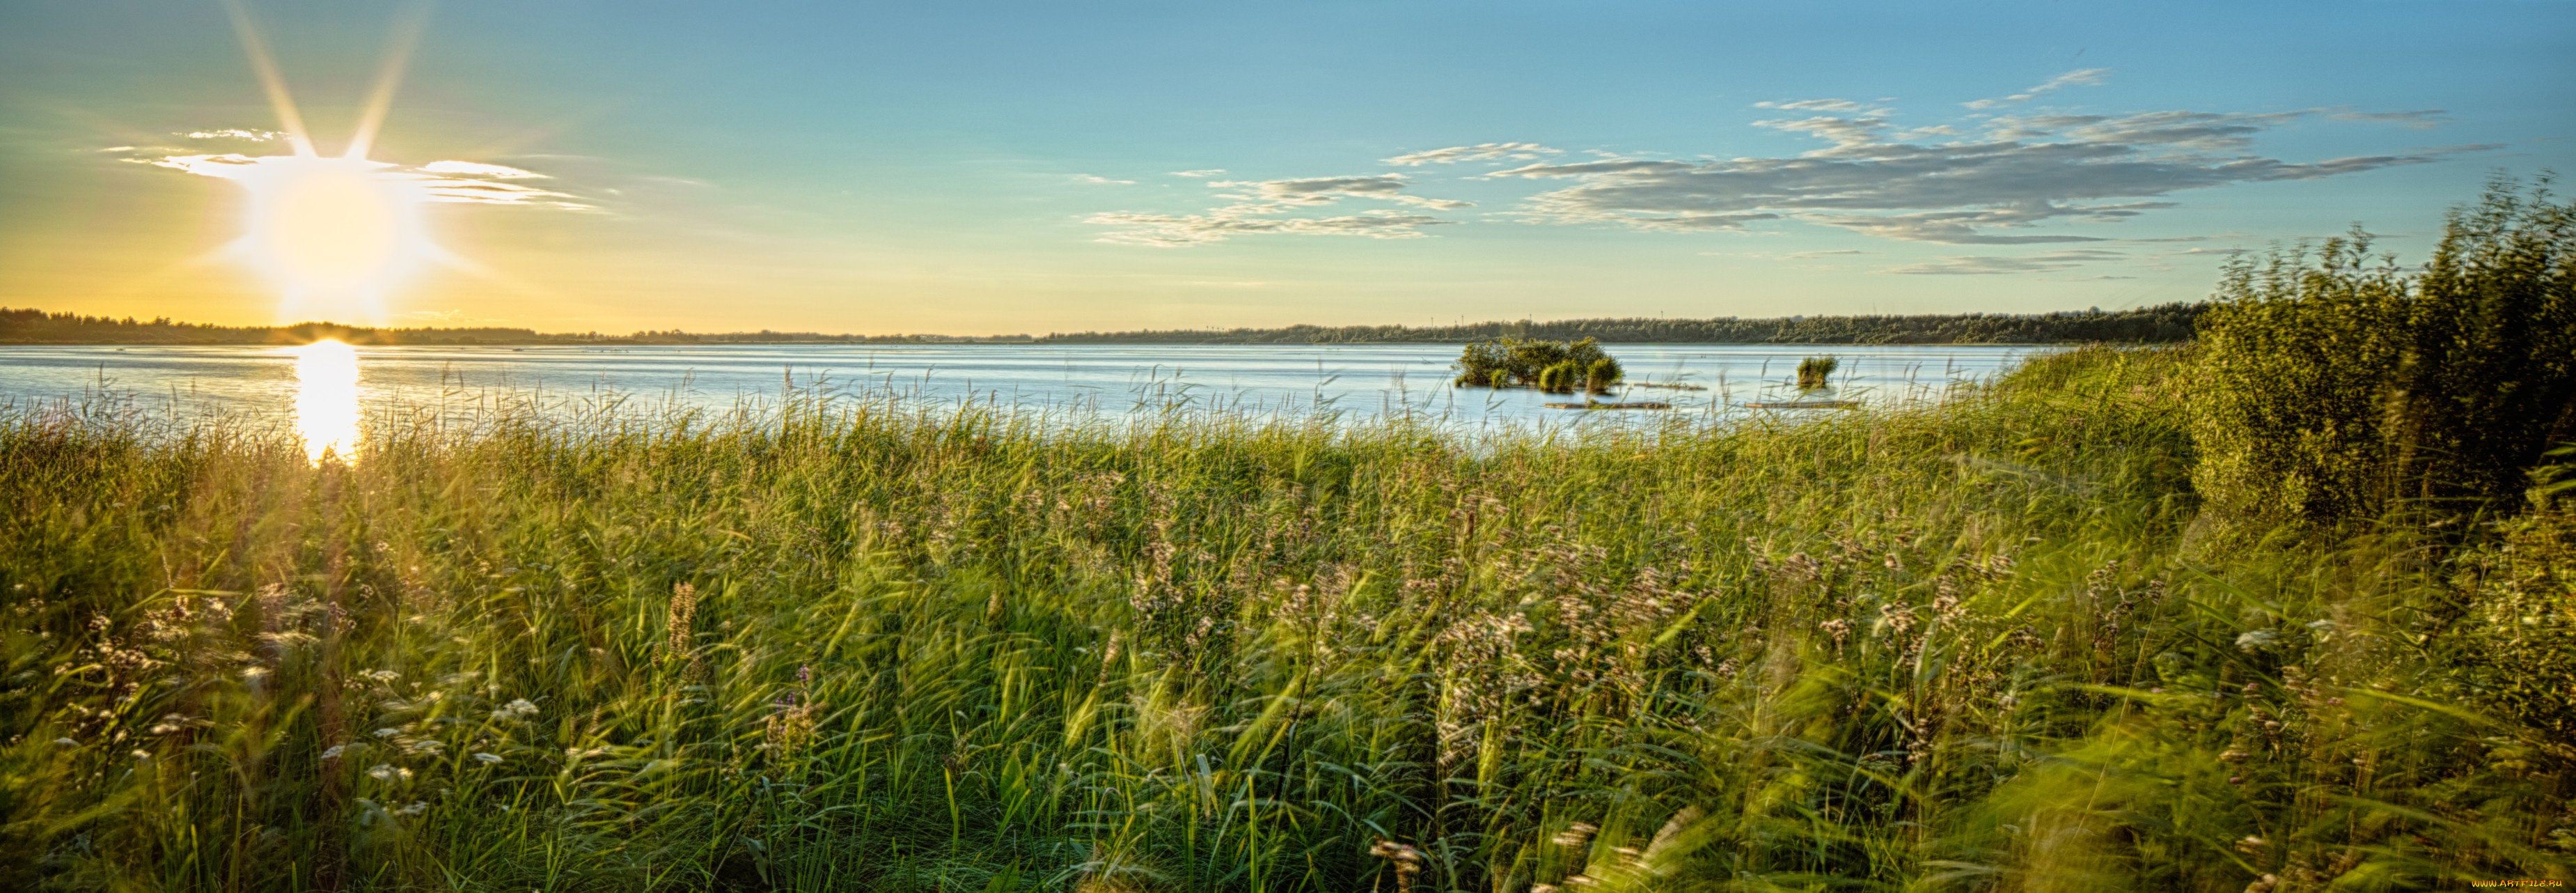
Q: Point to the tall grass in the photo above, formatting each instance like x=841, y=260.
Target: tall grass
x=873, y=645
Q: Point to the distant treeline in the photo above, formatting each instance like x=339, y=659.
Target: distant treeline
x=29, y=326
x=2163, y=323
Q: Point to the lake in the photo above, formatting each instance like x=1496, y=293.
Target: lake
x=1355, y=380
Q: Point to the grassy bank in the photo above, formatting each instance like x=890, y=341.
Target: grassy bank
x=1993, y=644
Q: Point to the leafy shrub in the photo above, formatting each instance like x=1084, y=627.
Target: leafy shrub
x=1519, y=362
x=1485, y=364
x=1602, y=374
x=2490, y=375
x=2289, y=425
x=1560, y=378
x=2519, y=638
x=2335, y=383
x=1813, y=371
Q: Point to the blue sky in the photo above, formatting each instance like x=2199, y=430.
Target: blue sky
x=975, y=168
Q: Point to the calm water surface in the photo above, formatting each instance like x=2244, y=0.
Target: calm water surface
x=1356, y=380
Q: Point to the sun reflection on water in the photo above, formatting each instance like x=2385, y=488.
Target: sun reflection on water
x=326, y=399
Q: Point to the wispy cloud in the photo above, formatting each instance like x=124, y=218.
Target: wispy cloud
x=2419, y=119
x=1208, y=172
x=2010, y=173
x=1477, y=152
x=464, y=182
x=1267, y=207
x=1326, y=190
x=1998, y=266
x=1177, y=230
x=479, y=169
x=2002, y=177
x=1097, y=179
x=2081, y=77
x=1812, y=105
x=237, y=133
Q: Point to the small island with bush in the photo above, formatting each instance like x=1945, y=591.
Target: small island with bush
x=1551, y=367
x=1555, y=367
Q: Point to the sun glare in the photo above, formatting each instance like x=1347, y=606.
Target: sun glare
x=336, y=233
x=332, y=227
x=326, y=400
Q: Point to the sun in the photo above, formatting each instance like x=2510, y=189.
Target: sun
x=332, y=228
x=335, y=233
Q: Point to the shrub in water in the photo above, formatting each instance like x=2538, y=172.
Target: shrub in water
x=1560, y=378
x=1602, y=374
x=1485, y=364
x=1813, y=371
x=1519, y=362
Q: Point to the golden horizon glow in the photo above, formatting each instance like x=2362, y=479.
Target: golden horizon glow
x=326, y=400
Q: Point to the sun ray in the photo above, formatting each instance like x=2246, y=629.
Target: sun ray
x=335, y=234
x=389, y=74
x=512, y=143
x=470, y=267
x=270, y=79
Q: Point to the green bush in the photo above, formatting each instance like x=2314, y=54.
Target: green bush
x=2519, y=636
x=1485, y=364
x=2293, y=362
x=1813, y=372
x=2489, y=382
x=1602, y=375
x=1559, y=378
x=2334, y=383
x=1519, y=362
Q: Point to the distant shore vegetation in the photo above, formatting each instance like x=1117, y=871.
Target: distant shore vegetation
x=32, y=326
x=2159, y=324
